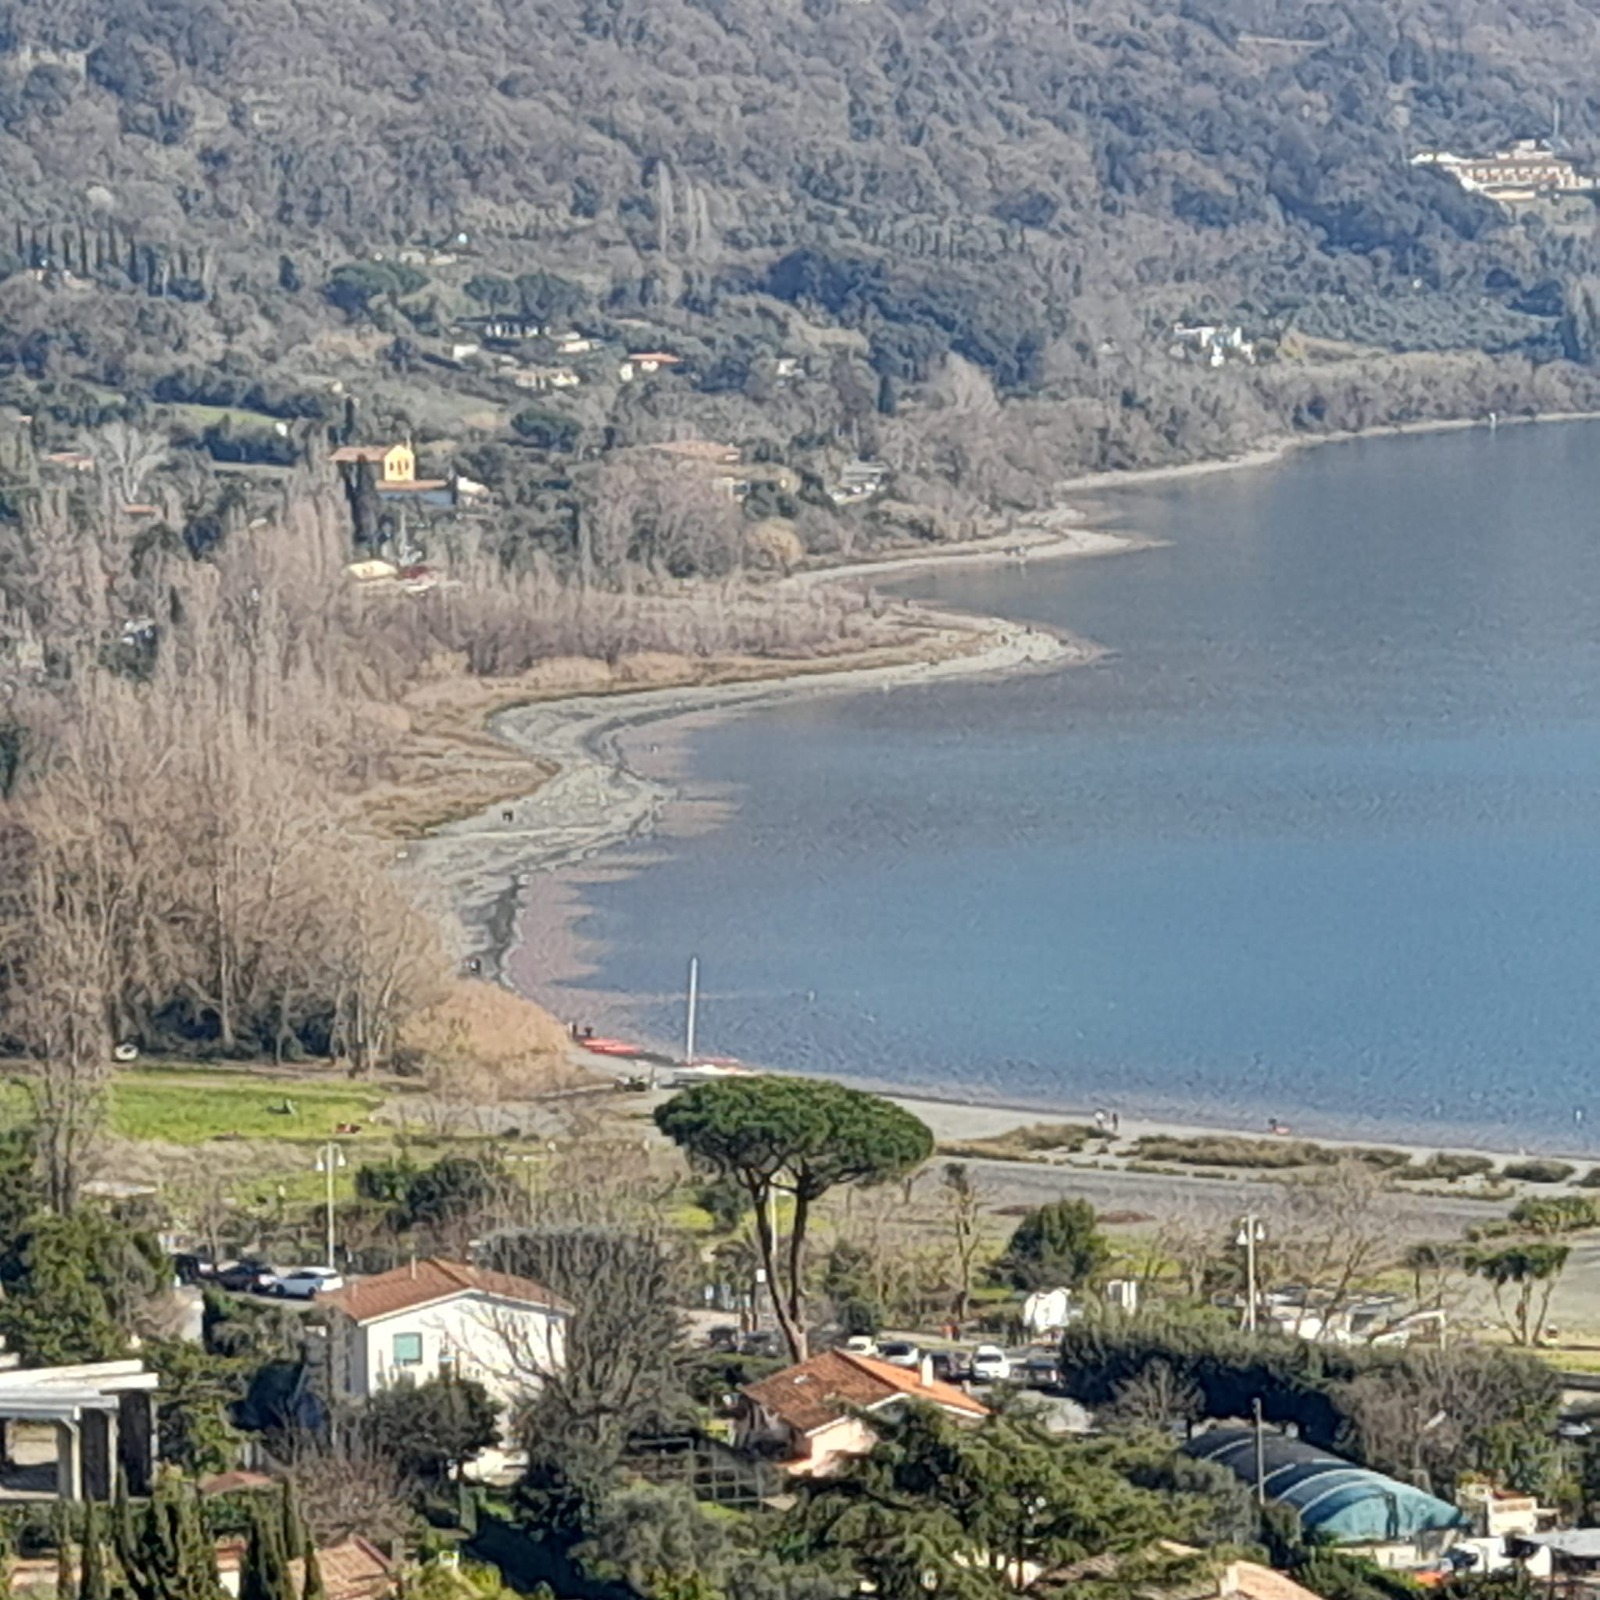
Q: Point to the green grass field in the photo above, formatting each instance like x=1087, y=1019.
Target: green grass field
x=185, y=1107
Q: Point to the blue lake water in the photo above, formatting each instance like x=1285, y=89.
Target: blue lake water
x=1320, y=839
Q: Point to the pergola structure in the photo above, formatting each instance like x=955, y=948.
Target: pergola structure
x=103, y=1413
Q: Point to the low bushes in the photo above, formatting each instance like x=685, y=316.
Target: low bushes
x=1446, y=1166
x=1538, y=1169
x=1225, y=1150
x=1022, y=1144
x=1232, y=1150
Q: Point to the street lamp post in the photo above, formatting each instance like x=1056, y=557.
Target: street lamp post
x=1251, y=1233
x=329, y=1159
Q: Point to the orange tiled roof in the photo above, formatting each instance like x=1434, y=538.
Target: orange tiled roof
x=353, y=1569
x=425, y=1282
x=825, y=1388
x=235, y=1481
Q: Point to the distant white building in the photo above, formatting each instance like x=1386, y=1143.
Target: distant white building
x=1528, y=169
x=1215, y=346
x=437, y=1318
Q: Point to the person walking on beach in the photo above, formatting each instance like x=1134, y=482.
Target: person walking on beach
x=1100, y=1121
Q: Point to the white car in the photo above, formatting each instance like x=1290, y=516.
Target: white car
x=900, y=1353
x=306, y=1283
x=861, y=1344
x=990, y=1364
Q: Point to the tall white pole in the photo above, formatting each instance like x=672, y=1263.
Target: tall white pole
x=694, y=1000
x=1250, y=1272
x=329, y=1151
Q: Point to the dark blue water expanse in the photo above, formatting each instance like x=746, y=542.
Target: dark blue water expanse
x=1319, y=839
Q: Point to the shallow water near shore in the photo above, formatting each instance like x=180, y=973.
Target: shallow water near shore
x=1319, y=840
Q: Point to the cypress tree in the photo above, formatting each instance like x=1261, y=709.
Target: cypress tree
x=295, y=1538
x=200, y=1578
x=124, y=1530
x=95, y=1581
x=175, y=1558
x=265, y=1574
x=66, y=1578
x=313, y=1588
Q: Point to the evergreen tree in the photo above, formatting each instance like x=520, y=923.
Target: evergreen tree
x=294, y=1536
x=174, y=1558
x=265, y=1574
x=66, y=1576
x=124, y=1530
x=95, y=1579
x=313, y=1588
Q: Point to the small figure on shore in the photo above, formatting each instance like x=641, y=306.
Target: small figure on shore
x=474, y=965
x=1100, y=1122
x=588, y=1031
x=508, y=816
x=1116, y=1124
x=1275, y=1126
x=572, y=1028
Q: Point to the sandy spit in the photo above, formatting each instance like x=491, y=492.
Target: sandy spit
x=472, y=871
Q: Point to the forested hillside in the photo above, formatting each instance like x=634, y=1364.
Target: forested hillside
x=1041, y=189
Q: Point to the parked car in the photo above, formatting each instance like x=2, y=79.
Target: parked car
x=724, y=1337
x=990, y=1364
x=247, y=1277
x=900, y=1353
x=761, y=1343
x=193, y=1269
x=306, y=1283
x=861, y=1344
x=948, y=1366
x=1040, y=1372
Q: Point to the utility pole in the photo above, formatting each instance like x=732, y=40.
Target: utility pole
x=329, y=1159
x=1261, y=1453
x=1250, y=1235
x=689, y=1020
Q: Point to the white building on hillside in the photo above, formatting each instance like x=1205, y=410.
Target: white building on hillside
x=434, y=1318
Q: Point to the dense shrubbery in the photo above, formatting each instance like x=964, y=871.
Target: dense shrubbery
x=1343, y=1398
x=1538, y=1169
x=1447, y=1166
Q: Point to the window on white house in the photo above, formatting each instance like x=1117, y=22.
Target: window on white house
x=408, y=1349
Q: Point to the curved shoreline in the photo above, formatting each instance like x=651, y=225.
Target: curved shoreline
x=471, y=871
x=596, y=800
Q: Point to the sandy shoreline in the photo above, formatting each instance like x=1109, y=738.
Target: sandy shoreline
x=472, y=870
x=477, y=869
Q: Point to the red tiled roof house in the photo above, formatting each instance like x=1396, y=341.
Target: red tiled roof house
x=435, y=1317
x=815, y=1416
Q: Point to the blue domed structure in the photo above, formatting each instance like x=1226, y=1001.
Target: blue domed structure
x=1335, y=1499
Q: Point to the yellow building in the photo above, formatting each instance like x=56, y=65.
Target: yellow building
x=397, y=463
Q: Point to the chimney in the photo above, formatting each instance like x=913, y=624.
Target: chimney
x=925, y=1371
x=413, y=1266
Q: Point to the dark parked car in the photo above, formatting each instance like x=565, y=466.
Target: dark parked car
x=1038, y=1372
x=194, y=1269
x=763, y=1343
x=247, y=1277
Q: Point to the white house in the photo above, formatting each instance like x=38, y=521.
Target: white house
x=436, y=1317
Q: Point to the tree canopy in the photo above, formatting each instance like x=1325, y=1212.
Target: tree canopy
x=977, y=1512
x=799, y=1137
x=1059, y=1245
